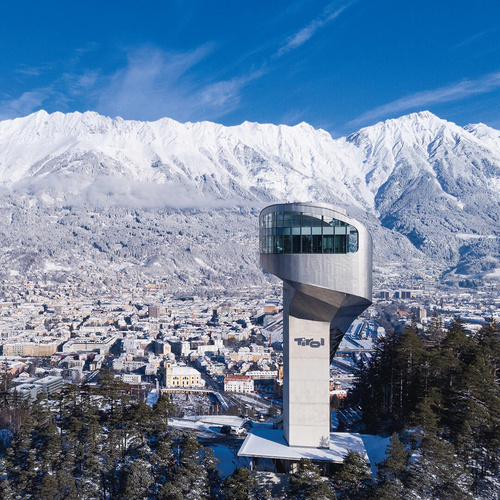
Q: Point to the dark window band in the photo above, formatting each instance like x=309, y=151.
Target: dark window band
x=301, y=232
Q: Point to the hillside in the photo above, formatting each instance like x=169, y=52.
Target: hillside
x=86, y=195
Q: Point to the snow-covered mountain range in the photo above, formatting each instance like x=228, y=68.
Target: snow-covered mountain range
x=87, y=193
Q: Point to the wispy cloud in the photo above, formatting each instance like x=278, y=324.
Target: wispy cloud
x=330, y=12
x=82, y=83
x=293, y=116
x=472, y=39
x=420, y=100
x=155, y=84
x=30, y=71
x=152, y=83
x=27, y=103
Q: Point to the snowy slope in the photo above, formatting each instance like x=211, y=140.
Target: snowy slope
x=251, y=161
x=427, y=188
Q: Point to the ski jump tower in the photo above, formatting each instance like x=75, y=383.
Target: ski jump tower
x=324, y=258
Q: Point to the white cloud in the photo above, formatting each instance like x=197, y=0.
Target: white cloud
x=152, y=84
x=30, y=71
x=77, y=189
x=472, y=39
x=155, y=84
x=293, y=116
x=420, y=100
x=122, y=191
x=27, y=103
x=331, y=12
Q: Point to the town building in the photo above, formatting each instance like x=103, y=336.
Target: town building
x=238, y=383
x=50, y=384
x=182, y=376
x=30, y=348
x=91, y=343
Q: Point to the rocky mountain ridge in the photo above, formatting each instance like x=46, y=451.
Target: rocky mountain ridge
x=181, y=200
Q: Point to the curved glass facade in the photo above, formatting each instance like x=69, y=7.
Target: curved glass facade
x=300, y=232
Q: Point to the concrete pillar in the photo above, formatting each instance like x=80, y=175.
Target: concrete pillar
x=306, y=383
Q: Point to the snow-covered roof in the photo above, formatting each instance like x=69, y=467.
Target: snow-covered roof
x=270, y=443
x=184, y=370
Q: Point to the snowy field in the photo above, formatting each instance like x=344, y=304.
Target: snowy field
x=225, y=447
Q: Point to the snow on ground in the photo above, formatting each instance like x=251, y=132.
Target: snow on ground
x=203, y=264
x=258, y=405
x=375, y=449
x=206, y=424
x=270, y=443
x=228, y=458
x=225, y=447
x=181, y=423
x=50, y=266
x=267, y=442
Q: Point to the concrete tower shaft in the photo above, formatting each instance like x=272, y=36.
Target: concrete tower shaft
x=324, y=259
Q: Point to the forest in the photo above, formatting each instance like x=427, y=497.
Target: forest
x=437, y=395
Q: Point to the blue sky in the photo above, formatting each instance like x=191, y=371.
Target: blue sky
x=337, y=65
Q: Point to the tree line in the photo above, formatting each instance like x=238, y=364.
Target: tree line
x=97, y=444
x=439, y=395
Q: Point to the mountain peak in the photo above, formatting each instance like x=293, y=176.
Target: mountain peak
x=419, y=127
x=423, y=118
x=423, y=115
x=423, y=184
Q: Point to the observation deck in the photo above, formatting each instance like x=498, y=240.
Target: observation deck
x=324, y=258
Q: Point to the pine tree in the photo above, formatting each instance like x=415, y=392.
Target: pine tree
x=48, y=487
x=391, y=472
x=209, y=463
x=426, y=415
x=386, y=490
x=83, y=437
x=164, y=408
x=189, y=479
x=435, y=331
x=20, y=463
x=354, y=478
x=140, y=418
x=307, y=484
x=48, y=459
x=162, y=460
x=66, y=485
x=111, y=388
x=375, y=389
x=396, y=462
x=438, y=472
x=450, y=394
x=240, y=485
x=5, y=387
x=138, y=480
x=409, y=361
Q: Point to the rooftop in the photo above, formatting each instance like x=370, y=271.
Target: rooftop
x=184, y=370
x=236, y=378
x=266, y=442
